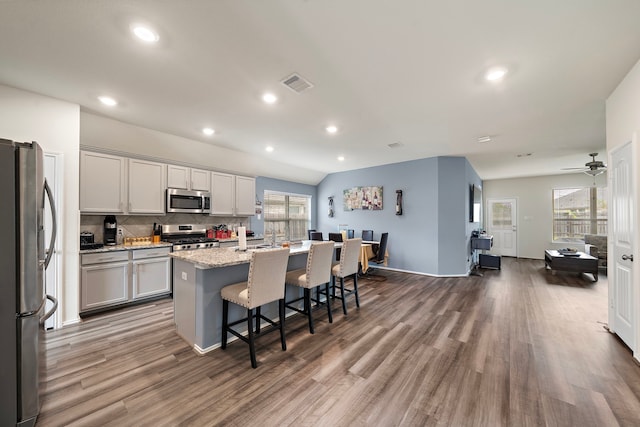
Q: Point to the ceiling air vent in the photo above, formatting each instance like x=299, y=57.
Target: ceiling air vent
x=395, y=145
x=297, y=83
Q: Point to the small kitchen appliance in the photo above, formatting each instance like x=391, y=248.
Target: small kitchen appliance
x=110, y=230
x=87, y=241
x=188, y=237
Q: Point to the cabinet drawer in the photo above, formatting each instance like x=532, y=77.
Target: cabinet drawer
x=101, y=257
x=151, y=253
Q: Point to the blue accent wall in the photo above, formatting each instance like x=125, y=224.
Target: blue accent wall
x=263, y=183
x=432, y=236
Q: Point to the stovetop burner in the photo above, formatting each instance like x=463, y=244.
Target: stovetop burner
x=188, y=237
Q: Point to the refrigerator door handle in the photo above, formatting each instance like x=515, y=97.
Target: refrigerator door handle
x=54, y=220
x=50, y=312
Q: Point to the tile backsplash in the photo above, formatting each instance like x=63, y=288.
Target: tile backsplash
x=142, y=225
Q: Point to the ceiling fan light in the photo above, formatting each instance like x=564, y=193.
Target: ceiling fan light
x=594, y=172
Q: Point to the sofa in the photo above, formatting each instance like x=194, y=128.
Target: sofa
x=596, y=246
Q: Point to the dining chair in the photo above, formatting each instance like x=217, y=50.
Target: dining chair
x=316, y=274
x=316, y=235
x=336, y=237
x=367, y=235
x=309, y=233
x=265, y=284
x=379, y=253
x=347, y=268
x=350, y=234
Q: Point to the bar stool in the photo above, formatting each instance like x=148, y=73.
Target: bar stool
x=347, y=268
x=265, y=284
x=316, y=235
x=316, y=274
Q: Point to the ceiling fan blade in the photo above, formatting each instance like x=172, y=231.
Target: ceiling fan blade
x=573, y=169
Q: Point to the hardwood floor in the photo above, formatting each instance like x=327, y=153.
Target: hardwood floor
x=516, y=347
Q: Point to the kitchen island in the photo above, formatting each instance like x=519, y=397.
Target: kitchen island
x=198, y=277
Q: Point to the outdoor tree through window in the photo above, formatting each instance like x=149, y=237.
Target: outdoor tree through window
x=579, y=211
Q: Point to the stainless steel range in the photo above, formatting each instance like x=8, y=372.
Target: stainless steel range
x=188, y=237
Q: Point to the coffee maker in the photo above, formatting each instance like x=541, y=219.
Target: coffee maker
x=110, y=230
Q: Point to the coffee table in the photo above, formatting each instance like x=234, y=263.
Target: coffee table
x=578, y=263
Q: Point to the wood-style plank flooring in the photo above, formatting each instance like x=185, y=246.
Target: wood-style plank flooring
x=516, y=347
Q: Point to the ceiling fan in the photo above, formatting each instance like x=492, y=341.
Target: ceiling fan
x=593, y=168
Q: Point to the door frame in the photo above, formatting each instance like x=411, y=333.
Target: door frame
x=56, y=259
x=487, y=218
x=636, y=236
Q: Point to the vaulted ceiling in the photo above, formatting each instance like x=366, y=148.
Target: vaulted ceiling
x=406, y=73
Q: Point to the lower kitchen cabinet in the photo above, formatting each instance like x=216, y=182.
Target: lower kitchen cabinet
x=151, y=272
x=119, y=277
x=104, y=279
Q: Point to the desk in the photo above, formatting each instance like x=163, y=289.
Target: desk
x=366, y=252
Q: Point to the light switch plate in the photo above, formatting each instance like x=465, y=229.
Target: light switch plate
x=184, y=275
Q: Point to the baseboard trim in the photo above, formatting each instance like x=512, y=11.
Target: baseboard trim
x=420, y=273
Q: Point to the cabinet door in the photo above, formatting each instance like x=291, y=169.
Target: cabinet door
x=147, y=183
x=245, y=196
x=103, y=285
x=102, y=183
x=200, y=180
x=151, y=277
x=178, y=177
x=222, y=194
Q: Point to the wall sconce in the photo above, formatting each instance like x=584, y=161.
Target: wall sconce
x=330, y=213
x=258, y=208
x=398, y=202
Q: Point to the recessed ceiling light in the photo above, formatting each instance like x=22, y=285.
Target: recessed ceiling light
x=496, y=74
x=145, y=33
x=269, y=98
x=269, y=149
x=208, y=131
x=484, y=139
x=107, y=100
x=341, y=158
x=524, y=154
x=331, y=129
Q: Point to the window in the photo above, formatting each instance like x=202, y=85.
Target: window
x=288, y=214
x=579, y=211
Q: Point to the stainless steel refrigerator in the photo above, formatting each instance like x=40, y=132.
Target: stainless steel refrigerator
x=23, y=260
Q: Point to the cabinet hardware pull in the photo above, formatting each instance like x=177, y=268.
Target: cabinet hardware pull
x=627, y=257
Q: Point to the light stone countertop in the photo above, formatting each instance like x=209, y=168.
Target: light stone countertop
x=224, y=257
x=235, y=239
x=126, y=248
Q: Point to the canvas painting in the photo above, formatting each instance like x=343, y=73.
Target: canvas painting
x=363, y=198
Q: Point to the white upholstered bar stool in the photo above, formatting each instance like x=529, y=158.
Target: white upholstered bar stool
x=347, y=268
x=317, y=273
x=264, y=284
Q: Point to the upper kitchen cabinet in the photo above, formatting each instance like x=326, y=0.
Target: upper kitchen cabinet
x=232, y=195
x=147, y=184
x=188, y=178
x=102, y=183
x=245, y=196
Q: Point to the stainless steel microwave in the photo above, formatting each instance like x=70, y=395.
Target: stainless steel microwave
x=186, y=201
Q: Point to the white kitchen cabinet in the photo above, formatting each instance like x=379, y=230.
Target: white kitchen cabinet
x=118, y=277
x=245, y=196
x=104, y=279
x=147, y=184
x=232, y=195
x=188, y=178
x=151, y=272
x=102, y=183
x=222, y=194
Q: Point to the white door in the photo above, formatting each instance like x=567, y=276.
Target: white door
x=621, y=293
x=52, y=172
x=502, y=225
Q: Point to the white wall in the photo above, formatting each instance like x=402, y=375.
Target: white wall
x=55, y=125
x=108, y=134
x=535, y=207
x=623, y=125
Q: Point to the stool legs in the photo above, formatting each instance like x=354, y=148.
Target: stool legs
x=355, y=289
x=307, y=308
x=328, y=301
x=252, y=346
x=344, y=300
x=225, y=322
x=281, y=306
